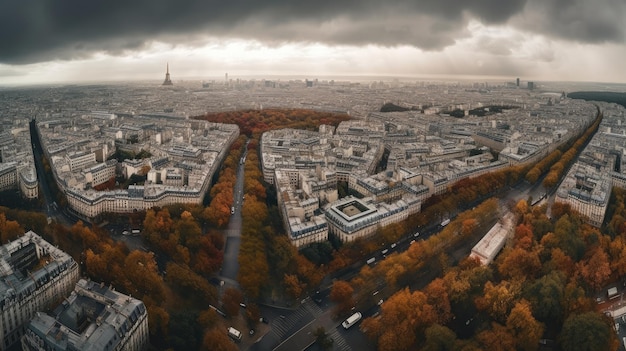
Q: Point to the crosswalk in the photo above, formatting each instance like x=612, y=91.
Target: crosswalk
x=313, y=308
x=284, y=326
x=281, y=326
x=339, y=343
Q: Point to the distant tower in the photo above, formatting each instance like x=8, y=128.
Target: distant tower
x=517, y=83
x=167, y=80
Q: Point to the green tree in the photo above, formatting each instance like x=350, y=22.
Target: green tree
x=587, y=332
x=439, y=338
x=545, y=296
x=322, y=338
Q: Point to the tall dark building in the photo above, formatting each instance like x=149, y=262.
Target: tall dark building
x=517, y=82
x=167, y=80
x=531, y=85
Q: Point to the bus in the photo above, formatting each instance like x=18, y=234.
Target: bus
x=445, y=222
x=351, y=320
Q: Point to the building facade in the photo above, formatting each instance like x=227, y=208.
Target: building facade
x=34, y=275
x=95, y=318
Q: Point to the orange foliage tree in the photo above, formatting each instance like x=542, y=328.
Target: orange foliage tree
x=341, y=294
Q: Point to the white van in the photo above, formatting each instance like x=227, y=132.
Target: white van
x=234, y=333
x=352, y=320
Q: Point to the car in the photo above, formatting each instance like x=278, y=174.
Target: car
x=380, y=302
x=412, y=242
x=232, y=210
x=251, y=331
x=393, y=245
x=243, y=305
x=384, y=252
x=416, y=234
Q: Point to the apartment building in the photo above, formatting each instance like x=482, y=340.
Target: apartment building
x=34, y=276
x=93, y=318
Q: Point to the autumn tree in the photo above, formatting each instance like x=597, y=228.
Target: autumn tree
x=209, y=256
x=143, y=275
x=158, y=320
x=9, y=230
x=575, y=299
x=524, y=328
x=231, y=300
x=595, y=269
x=307, y=271
x=498, y=299
x=216, y=339
x=469, y=226
x=437, y=296
x=208, y=318
x=293, y=286
x=80, y=232
x=466, y=281
x=521, y=208
x=497, y=338
x=551, y=179
x=365, y=283
x=404, y=315
x=282, y=253
x=341, y=294
x=520, y=264
x=617, y=253
x=189, y=284
x=188, y=230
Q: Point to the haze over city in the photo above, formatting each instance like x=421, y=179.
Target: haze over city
x=75, y=41
x=312, y=176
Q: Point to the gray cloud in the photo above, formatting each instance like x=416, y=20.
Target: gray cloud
x=41, y=30
x=577, y=20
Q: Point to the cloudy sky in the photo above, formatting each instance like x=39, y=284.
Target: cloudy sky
x=45, y=41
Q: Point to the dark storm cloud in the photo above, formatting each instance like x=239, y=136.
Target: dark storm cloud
x=578, y=20
x=40, y=30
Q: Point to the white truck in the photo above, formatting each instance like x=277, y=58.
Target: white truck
x=445, y=222
x=352, y=320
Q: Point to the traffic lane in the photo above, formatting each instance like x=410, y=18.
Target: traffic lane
x=230, y=267
x=356, y=338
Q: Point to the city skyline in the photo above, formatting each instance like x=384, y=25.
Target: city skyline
x=64, y=42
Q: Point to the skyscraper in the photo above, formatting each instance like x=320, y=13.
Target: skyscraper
x=167, y=80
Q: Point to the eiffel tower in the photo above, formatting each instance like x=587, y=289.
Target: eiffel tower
x=167, y=80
